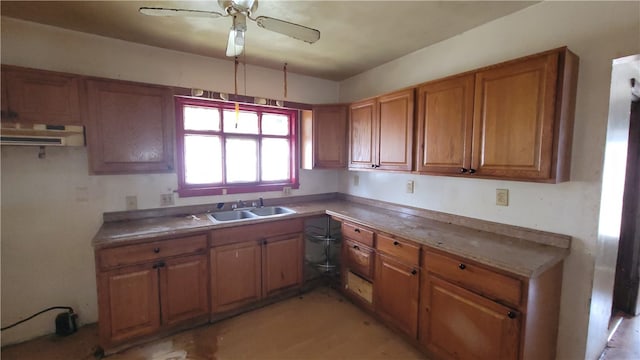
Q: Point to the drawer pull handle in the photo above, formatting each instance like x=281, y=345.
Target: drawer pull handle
x=395, y=243
x=462, y=266
x=357, y=230
x=414, y=271
x=511, y=315
x=356, y=247
x=159, y=264
x=156, y=250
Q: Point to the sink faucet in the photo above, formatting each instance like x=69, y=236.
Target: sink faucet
x=238, y=204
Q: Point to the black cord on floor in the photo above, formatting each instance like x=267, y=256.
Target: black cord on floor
x=36, y=314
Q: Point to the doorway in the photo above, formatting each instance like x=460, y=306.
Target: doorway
x=627, y=279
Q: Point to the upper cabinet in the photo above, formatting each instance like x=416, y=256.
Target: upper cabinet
x=130, y=127
x=324, y=137
x=444, y=125
x=509, y=121
x=43, y=97
x=381, y=132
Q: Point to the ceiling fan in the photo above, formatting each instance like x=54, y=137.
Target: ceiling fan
x=241, y=10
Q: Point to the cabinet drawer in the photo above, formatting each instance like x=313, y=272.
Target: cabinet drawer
x=359, y=287
x=357, y=233
x=487, y=282
x=139, y=253
x=400, y=249
x=359, y=258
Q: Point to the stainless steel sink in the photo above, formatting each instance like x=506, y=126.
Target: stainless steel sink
x=272, y=211
x=234, y=215
x=248, y=214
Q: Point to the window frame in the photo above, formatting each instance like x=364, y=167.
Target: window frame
x=189, y=190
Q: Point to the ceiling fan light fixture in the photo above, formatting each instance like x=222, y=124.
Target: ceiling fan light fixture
x=235, y=44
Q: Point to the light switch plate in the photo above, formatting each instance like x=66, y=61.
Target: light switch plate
x=502, y=197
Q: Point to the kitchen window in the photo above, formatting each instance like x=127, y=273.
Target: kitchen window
x=222, y=150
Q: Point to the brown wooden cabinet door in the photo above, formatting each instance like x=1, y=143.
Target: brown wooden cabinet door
x=363, y=134
x=129, y=303
x=42, y=97
x=329, y=136
x=444, y=125
x=396, y=294
x=395, y=130
x=514, y=116
x=456, y=323
x=184, y=290
x=281, y=263
x=130, y=127
x=235, y=275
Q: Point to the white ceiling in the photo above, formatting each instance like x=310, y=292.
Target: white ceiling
x=355, y=35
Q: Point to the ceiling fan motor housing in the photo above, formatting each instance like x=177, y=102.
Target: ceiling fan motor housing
x=233, y=7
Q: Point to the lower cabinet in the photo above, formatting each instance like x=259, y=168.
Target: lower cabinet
x=460, y=324
x=396, y=294
x=145, y=288
x=282, y=263
x=236, y=272
x=252, y=262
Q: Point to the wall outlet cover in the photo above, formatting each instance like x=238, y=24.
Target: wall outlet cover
x=132, y=202
x=502, y=197
x=410, y=186
x=166, y=199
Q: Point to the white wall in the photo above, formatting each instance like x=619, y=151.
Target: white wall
x=51, y=208
x=597, y=32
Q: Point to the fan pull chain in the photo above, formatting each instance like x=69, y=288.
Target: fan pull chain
x=285, y=80
x=235, y=78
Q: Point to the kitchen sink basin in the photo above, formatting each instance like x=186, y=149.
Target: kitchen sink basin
x=234, y=215
x=248, y=214
x=272, y=211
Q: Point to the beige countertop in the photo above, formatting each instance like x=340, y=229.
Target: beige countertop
x=509, y=253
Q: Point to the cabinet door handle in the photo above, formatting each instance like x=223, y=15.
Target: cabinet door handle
x=356, y=247
x=395, y=243
x=159, y=264
x=472, y=171
x=511, y=315
x=357, y=230
x=156, y=250
x=414, y=271
x=264, y=242
x=462, y=266
x=373, y=166
x=463, y=170
x=377, y=166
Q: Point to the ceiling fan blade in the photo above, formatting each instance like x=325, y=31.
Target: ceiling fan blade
x=154, y=11
x=295, y=31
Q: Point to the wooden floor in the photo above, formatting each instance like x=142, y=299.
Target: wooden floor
x=625, y=343
x=318, y=325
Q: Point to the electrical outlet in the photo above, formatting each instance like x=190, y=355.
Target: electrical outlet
x=286, y=190
x=410, y=186
x=166, y=199
x=502, y=197
x=132, y=202
x=356, y=180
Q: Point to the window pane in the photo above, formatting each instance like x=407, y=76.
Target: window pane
x=202, y=159
x=275, y=159
x=242, y=160
x=275, y=124
x=201, y=118
x=247, y=122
